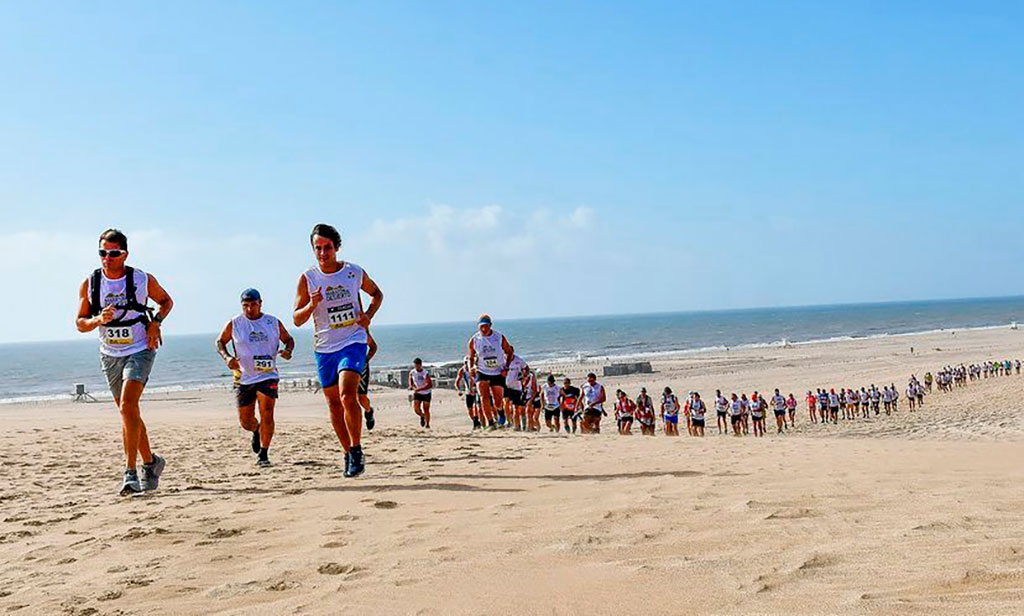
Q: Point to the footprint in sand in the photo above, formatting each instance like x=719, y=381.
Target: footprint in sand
x=385, y=504
x=337, y=569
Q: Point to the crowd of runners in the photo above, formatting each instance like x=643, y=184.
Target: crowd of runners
x=500, y=389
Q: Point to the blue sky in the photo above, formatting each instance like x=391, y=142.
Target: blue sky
x=527, y=159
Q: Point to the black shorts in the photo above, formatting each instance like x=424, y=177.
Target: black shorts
x=549, y=414
x=246, y=394
x=514, y=396
x=780, y=412
x=421, y=397
x=566, y=415
x=470, y=401
x=593, y=412
x=536, y=403
x=494, y=380
x=364, y=380
x=737, y=419
x=698, y=422
x=721, y=414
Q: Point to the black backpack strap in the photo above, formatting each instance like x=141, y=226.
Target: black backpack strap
x=132, y=302
x=94, y=293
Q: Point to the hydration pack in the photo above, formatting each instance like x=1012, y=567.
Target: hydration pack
x=132, y=303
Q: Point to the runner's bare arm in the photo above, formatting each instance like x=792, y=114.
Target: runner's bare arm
x=222, y=347
x=509, y=351
x=84, y=322
x=371, y=346
x=376, y=298
x=286, y=338
x=430, y=382
x=471, y=352
x=157, y=293
x=304, y=302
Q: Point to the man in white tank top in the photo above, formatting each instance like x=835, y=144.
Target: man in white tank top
x=421, y=386
x=129, y=338
x=256, y=338
x=490, y=354
x=465, y=385
x=329, y=294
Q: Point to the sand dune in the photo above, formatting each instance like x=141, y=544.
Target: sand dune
x=915, y=513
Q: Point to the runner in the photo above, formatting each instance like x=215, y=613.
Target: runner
x=644, y=413
x=570, y=397
x=421, y=385
x=531, y=400
x=624, y=409
x=757, y=410
x=670, y=412
x=594, y=397
x=114, y=300
x=833, y=406
x=364, y=382
x=895, y=397
x=490, y=354
x=256, y=338
x=812, y=402
x=791, y=408
x=515, y=398
x=551, y=393
x=698, y=411
x=746, y=413
x=328, y=293
x=779, y=406
x=736, y=410
x=464, y=385
x=721, y=412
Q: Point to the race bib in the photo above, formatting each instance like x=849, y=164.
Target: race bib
x=341, y=316
x=119, y=335
x=263, y=363
x=490, y=362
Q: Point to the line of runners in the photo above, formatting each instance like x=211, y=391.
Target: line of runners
x=499, y=387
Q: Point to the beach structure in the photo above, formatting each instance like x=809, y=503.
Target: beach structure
x=81, y=394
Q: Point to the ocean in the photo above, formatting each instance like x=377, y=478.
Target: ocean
x=48, y=370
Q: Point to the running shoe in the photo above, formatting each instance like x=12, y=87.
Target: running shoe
x=131, y=483
x=262, y=462
x=355, y=466
x=370, y=421
x=151, y=473
x=256, y=439
x=423, y=422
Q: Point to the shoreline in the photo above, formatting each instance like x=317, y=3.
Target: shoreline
x=563, y=362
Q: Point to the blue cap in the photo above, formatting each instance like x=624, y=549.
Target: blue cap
x=484, y=320
x=251, y=295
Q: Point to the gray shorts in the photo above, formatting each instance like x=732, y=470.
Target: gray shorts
x=134, y=367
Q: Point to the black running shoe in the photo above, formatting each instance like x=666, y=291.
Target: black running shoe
x=355, y=466
x=256, y=440
x=423, y=422
x=370, y=421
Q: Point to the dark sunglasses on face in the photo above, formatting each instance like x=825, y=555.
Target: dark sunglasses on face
x=113, y=254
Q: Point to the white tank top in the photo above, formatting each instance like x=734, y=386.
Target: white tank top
x=671, y=404
x=419, y=379
x=592, y=393
x=334, y=319
x=256, y=344
x=490, y=355
x=551, y=396
x=129, y=339
x=697, y=409
x=515, y=373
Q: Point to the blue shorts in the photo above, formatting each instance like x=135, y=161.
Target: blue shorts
x=672, y=419
x=329, y=365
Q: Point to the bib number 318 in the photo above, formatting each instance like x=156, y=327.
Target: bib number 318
x=119, y=335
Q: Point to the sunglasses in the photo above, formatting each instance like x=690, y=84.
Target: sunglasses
x=113, y=254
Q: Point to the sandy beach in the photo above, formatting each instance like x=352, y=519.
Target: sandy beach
x=917, y=513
